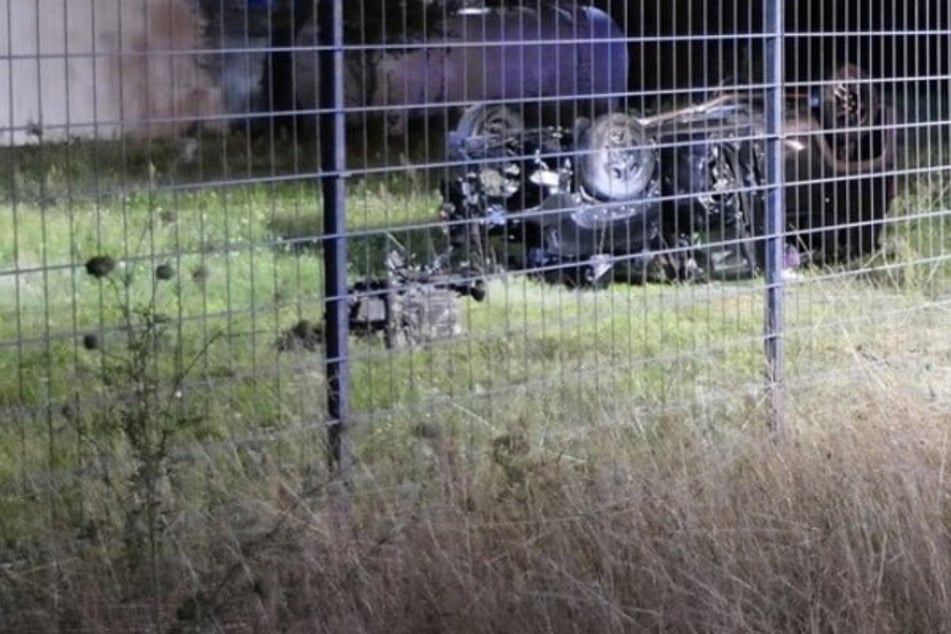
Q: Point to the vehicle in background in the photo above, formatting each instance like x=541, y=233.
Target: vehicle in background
x=551, y=59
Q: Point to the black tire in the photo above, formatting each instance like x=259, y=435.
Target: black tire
x=848, y=102
x=489, y=119
x=615, y=160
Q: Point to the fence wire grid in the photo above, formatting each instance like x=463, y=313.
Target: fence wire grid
x=242, y=255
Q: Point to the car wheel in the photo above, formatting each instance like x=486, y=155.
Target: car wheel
x=848, y=101
x=489, y=119
x=615, y=160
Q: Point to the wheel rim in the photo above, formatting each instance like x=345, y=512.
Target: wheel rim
x=490, y=119
x=849, y=101
x=615, y=161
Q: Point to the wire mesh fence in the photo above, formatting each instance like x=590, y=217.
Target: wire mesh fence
x=523, y=270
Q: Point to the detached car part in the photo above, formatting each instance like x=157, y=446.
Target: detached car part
x=411, y=304
x=686, y=186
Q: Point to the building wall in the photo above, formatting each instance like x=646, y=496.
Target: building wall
x=78, y=68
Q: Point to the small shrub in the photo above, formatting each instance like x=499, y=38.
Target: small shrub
x=141, y=378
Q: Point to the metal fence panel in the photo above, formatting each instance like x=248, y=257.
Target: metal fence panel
x=477, y=254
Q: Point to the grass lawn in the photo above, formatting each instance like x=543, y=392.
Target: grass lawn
x=522, y=452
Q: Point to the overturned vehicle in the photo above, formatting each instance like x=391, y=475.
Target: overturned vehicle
x=680, y=195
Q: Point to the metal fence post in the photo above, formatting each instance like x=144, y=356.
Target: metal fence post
x=775, y=213
x=333, y=165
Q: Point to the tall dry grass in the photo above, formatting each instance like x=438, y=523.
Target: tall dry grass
x=842, y=526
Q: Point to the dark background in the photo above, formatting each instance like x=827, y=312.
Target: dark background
x=809, y=51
